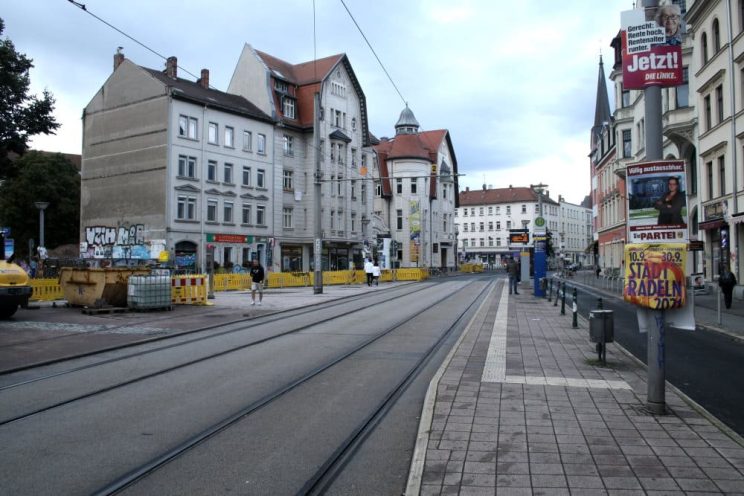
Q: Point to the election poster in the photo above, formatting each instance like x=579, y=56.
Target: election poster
x=414, y=226
x=651, y=46
x=657, y=202
x=655, y=275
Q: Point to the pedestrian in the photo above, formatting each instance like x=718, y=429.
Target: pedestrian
x=512, y=270
x=376, y=272
x=598, y=271
x=727, y=281
x=368, y=269
x=257, y=278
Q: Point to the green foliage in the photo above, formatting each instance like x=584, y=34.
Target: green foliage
x=21, y=115
x=41, y=177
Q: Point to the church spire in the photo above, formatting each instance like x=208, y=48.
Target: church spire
x=602, y=107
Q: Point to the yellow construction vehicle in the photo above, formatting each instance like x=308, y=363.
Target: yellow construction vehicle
x=15, y=285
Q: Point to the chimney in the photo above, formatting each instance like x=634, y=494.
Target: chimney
x=171, y=67
x=467, y=188
x=118, y=58
x=203, y=81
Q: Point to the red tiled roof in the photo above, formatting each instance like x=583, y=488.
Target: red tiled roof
x=304, y=73
x=500, y=195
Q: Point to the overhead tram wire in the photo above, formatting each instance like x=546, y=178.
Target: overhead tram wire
x=374, y=53
x=82, y=7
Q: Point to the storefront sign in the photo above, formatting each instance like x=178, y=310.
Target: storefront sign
x=519, y=236
x=227, y=238
x=657, y=202
x=655, y=275
x=715, y=210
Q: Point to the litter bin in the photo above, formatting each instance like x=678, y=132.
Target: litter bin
x=86, y=287
x=601, y=330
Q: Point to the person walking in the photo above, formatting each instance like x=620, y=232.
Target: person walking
x=368, y=269
x=513, y=270
x=376, y=272
x=257, y=278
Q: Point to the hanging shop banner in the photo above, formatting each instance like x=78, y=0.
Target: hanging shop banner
x=655, y=275
x=657, y=202
x=652, y=47
x=414, y=226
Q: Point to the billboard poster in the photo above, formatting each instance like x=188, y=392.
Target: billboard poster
x=414, y=226
x=655, y=275
x=652, y=47
x=657, y=203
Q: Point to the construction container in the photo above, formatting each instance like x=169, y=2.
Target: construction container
x=149, y=292
x=96, y=287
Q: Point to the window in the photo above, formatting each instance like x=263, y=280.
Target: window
x=524, y=209
x=280, y=86
x=353, y=189
x=288, y=145
x=716, y=36
x=186, y=166
x=260, y=178
x=481, y=227
x=482, y=242
x=364, y=192
x=472, y=226
x=704, y=47
x=288, y=107
x=498, y=225
x=722, y=175
x=399, y=186
x=337, y=118
x=246, y=176
x=212, y=210
x=378, y=189
x=228, y=175
x=508, y=210
x=186, y=208
x=480, y=211
x=227, y=212
x=341, y=154
x=683, y=90
x=211, y=170
x=399, y=219
x=353, y=123
x=246, y=214
x=353, y=157
x=340, y=185
x=464, y=243
x=627, y=144
x=465, y=227
x=287, y=183
x=247, y=141
x=537, y=208
x=413, y=186
x=709, y=171
x=287, y=218
x=338, y=89
x=490, y=225
x=490, y=210
x=261, y=215
x=498, y=210
x=261, y=144
x=464, y=212
x=508, y=224
x=353, y=222
x=498, y=241
x=624, y=97
x=708, y=117
x=213, y=136
x=229, y=137
x=187, y=127
x=719, y=102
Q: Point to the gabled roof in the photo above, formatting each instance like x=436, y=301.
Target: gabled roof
x=502, y=195
x=190, y=90
x=338, y=135
x=300, y=74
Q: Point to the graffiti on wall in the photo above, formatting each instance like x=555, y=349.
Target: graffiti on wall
x=124, y=241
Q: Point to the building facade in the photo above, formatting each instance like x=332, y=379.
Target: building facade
x=485, y=218
x=286, y=92
x=716, y=28
x=574, y=233
x=172, y=169
x=415, y=183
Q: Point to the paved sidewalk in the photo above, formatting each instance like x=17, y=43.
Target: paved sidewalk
x=522, y=407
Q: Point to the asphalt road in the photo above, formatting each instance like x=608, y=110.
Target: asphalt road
x=707, y=366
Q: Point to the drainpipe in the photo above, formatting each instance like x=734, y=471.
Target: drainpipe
x=734, y=240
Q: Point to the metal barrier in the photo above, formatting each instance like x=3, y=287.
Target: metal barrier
x=189, y=290
x=46, y=290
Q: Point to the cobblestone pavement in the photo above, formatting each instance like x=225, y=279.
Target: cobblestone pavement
x=522, y=407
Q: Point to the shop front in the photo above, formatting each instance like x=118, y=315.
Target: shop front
x=717, y=247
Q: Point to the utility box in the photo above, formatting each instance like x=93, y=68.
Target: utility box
x=601, y=326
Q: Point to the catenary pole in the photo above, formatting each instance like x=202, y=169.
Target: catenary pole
x=656, y=347
x=318, y=245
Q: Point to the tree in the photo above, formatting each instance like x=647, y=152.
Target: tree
x=21, y=115
x=42, y=177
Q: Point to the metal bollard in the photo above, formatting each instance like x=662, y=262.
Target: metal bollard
x=563, y=300
x=557, y=293
x=575, y=321
x=550, y=290
x=599, y=303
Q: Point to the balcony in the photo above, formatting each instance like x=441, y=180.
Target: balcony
x=679, y=125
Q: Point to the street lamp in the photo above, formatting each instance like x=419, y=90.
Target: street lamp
x=41, y=206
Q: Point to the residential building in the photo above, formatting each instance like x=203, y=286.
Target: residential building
x=416, y=196
x=717, y=74
x=172, y=168
x=286, y=92
x=574, y=233
x=485, y=218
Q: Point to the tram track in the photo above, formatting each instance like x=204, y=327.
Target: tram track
x=320, y=480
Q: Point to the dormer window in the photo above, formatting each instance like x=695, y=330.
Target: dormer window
x=338, y=89
x=288, y=107
x=281, y=86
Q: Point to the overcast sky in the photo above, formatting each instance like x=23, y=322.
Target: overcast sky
x=514, y=82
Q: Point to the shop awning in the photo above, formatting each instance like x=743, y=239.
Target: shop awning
x=737, y=218
x=710, y=224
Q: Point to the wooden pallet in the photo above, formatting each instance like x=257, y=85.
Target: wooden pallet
x=153, y=309
x=102, y=310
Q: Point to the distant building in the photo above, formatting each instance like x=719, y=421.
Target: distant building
x=574, y=233
x=286, y=92
x=416, y=196
x=171, y=167
x=486, y=217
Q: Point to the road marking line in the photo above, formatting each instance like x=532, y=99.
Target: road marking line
x=494, y=369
